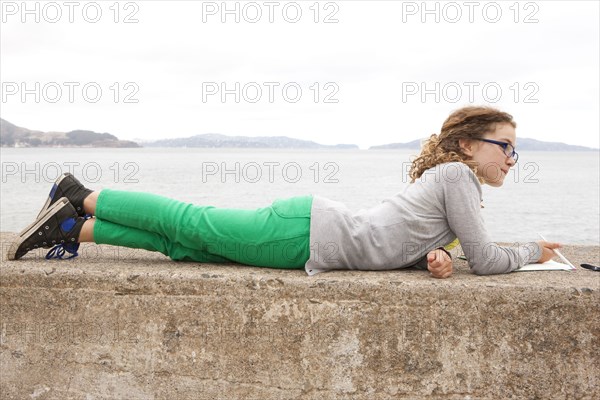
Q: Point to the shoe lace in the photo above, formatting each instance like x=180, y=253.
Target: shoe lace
x=59, y=250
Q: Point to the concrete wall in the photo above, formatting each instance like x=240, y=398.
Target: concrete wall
x=129, y=324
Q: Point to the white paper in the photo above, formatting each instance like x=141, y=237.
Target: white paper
x=547, y=266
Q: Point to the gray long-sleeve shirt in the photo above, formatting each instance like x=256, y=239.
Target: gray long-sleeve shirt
x=444, y=204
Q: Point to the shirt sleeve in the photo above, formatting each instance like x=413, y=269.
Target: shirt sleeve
x=462, y=202
x=421, y=264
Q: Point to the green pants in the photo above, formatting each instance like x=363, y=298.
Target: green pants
x=276, y=236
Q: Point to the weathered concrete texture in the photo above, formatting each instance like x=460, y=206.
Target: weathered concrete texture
x=134, y=325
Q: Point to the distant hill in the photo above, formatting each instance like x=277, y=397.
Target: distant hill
x=415, y=144
x=214, y=140
x=523, y=144
x=16, y=136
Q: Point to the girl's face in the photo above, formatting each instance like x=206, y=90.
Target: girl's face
x=493, y=164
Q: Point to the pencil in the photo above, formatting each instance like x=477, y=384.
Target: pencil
x=558, y=253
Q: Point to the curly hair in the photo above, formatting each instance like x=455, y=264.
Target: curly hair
x=465, y=123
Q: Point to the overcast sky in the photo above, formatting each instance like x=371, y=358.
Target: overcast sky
x=356, y=75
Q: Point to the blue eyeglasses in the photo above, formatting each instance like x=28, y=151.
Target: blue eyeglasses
x=508, y=148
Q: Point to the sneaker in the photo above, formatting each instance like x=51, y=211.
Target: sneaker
x=67, y=186
x=59, y=226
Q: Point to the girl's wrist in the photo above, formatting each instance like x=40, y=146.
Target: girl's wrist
x=446, y=251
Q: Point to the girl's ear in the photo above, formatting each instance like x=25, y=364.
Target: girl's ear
x=467, y=146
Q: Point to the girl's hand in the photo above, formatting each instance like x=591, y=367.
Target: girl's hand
x=439, y=264
x=547, y=252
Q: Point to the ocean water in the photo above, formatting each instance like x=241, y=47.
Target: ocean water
x=556, y=194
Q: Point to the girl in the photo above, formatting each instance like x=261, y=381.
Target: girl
x=439, y=208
